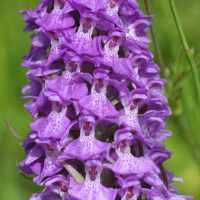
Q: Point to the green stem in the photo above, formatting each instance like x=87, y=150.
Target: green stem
x=187, y=49
x=155, y=39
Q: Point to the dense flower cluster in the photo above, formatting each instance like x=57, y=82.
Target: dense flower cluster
x=99, y=114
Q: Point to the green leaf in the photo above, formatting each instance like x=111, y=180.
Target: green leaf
x=73, y=172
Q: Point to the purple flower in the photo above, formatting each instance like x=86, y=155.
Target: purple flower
x=56, y=20
x=131, y=188
x=97, y=97
x=81, y=41
x=126, y=163
x=71, y=84
x=97, y=102
x=86, y=145
x=92, y=188
x=55, y=123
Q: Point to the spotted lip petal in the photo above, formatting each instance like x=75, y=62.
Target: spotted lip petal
x=91, y=188
x=68, y=86
x=58, y=21
x=54, y=125
x=128, y=164
x=51, y=165
x=81, y=41
x=86, y=145
x=97, y=102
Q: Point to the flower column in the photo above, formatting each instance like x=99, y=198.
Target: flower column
x=96, y=96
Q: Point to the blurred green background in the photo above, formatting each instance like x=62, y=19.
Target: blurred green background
x=185, y=121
